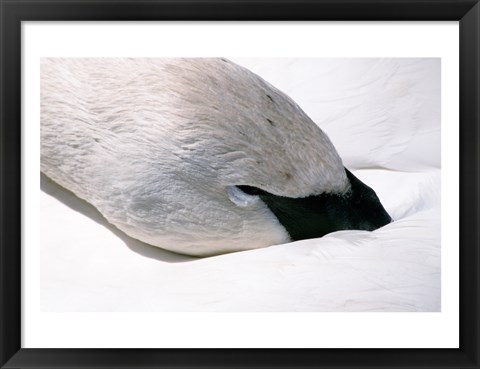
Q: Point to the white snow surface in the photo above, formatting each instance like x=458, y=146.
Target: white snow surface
x=383, y=116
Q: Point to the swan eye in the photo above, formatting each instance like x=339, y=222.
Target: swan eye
x=244, y=196
x=252, y=190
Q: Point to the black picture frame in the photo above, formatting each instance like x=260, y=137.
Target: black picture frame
x=12, y=12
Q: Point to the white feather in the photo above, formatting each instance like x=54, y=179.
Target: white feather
x=88, y=266
x=155, y=144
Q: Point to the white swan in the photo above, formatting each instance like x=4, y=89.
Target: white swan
x=196, y=156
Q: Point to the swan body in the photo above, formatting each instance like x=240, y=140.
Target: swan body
x=196, y=156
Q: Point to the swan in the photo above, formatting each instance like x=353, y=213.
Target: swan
x=198, y=156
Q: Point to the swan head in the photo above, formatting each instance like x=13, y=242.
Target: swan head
x=317, y=215
x=203, y=157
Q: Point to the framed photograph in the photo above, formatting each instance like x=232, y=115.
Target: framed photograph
x=239, y=184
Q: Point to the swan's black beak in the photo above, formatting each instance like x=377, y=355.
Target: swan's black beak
x=315, y=216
